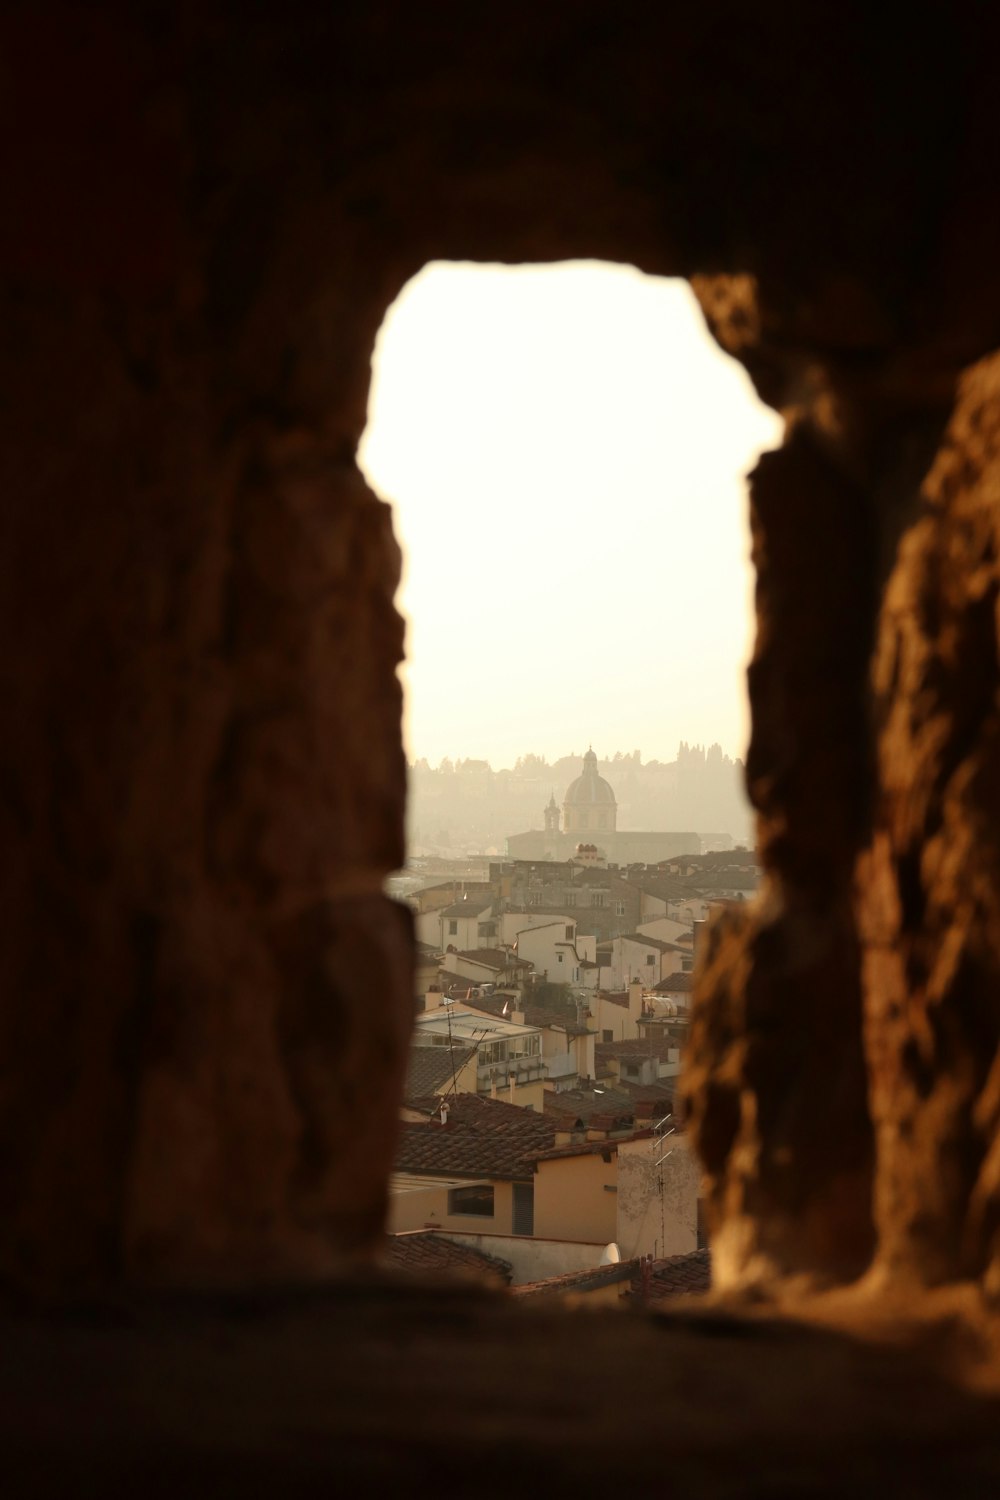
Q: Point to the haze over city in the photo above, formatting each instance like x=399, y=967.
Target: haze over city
x=565, y=448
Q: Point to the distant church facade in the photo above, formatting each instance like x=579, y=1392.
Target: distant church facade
x=589, y=815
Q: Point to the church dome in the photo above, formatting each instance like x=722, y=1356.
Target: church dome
x=590, y=789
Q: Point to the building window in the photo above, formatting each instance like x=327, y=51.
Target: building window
x=524, y=1208
x=619, y=908
x=569, y=934
x=452, y=929
x=598, y=898
x=477, y=1202
x=570, y=898
x=559, y=958
x=651, y=958
x=607, y=1036
x=509, y=1049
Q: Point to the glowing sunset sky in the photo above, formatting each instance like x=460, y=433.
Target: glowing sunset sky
x=565, y=448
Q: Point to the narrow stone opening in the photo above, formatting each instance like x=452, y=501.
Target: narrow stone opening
x=566, y=449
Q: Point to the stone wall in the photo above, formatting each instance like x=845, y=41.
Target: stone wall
x=207, y=212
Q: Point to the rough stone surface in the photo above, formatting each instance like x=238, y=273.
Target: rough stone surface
x=363, y=1387
x=207, y=211
x=929, y=888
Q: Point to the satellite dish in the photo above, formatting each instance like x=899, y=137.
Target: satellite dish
x=610, y=1255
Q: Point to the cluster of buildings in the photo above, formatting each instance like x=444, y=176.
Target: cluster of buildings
x=590, y=813
x=539, y=1143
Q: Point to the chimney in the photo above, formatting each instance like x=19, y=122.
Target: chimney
x=444, y=1112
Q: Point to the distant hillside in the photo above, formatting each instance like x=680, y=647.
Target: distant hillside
x=466, y=805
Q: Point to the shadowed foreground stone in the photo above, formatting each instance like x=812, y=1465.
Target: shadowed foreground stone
x=369, y=1387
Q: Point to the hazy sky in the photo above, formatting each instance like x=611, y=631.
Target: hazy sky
x=565, y=448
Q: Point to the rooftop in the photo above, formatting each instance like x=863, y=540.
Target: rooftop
x=658, y=1047
x=618, y=1102
x=484, y=1138
x=471, y=908
x=661, y=1282
x=431, y=1070
x=466, y=1025
x=499, y=959
x=678, y=981
x=588, y=1280
x=674, y=1276
x=661, y=944
x=425, y=1252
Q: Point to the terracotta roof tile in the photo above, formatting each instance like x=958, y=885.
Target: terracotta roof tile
x=587, y=1280
x=535, y=1016
x=494, y=958
x=620, y=1100
x=675, y=1276
x=431, y=1070
x=424, y=1252
x=584, y=1104
x=660, y=944
x=658, y=1047
x=677, y=982
x=484, y=1138
x=606, y=1146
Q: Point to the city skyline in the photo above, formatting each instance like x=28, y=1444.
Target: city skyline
x=565, y=450
x=611, y=758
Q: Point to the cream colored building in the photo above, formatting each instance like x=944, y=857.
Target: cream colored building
x=658, y=1182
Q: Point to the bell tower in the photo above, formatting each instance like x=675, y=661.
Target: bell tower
x=552, y=815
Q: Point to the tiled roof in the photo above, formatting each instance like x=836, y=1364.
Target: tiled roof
x=460, y=984
x=588, y=1280
x=658, y=1047
x=584, y=1104
x=431, y=1070
x=452, y=981
x=534, y=1016
x=720, y=859
x=651, y=1100
x=494, y=958
x=484, y=1138
x=728, y=880
x=677, y=981
x=665, y=887
x=660, y=944
x=604, y=1147
x=675, y=1276
x=470, y=908
x=473, y=888
x=492, y=1005
x=424, y=1252
x=621, y=1102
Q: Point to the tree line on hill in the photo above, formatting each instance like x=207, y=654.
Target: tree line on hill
x=466, y=805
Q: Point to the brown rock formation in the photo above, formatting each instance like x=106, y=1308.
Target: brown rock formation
x=207, y=212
